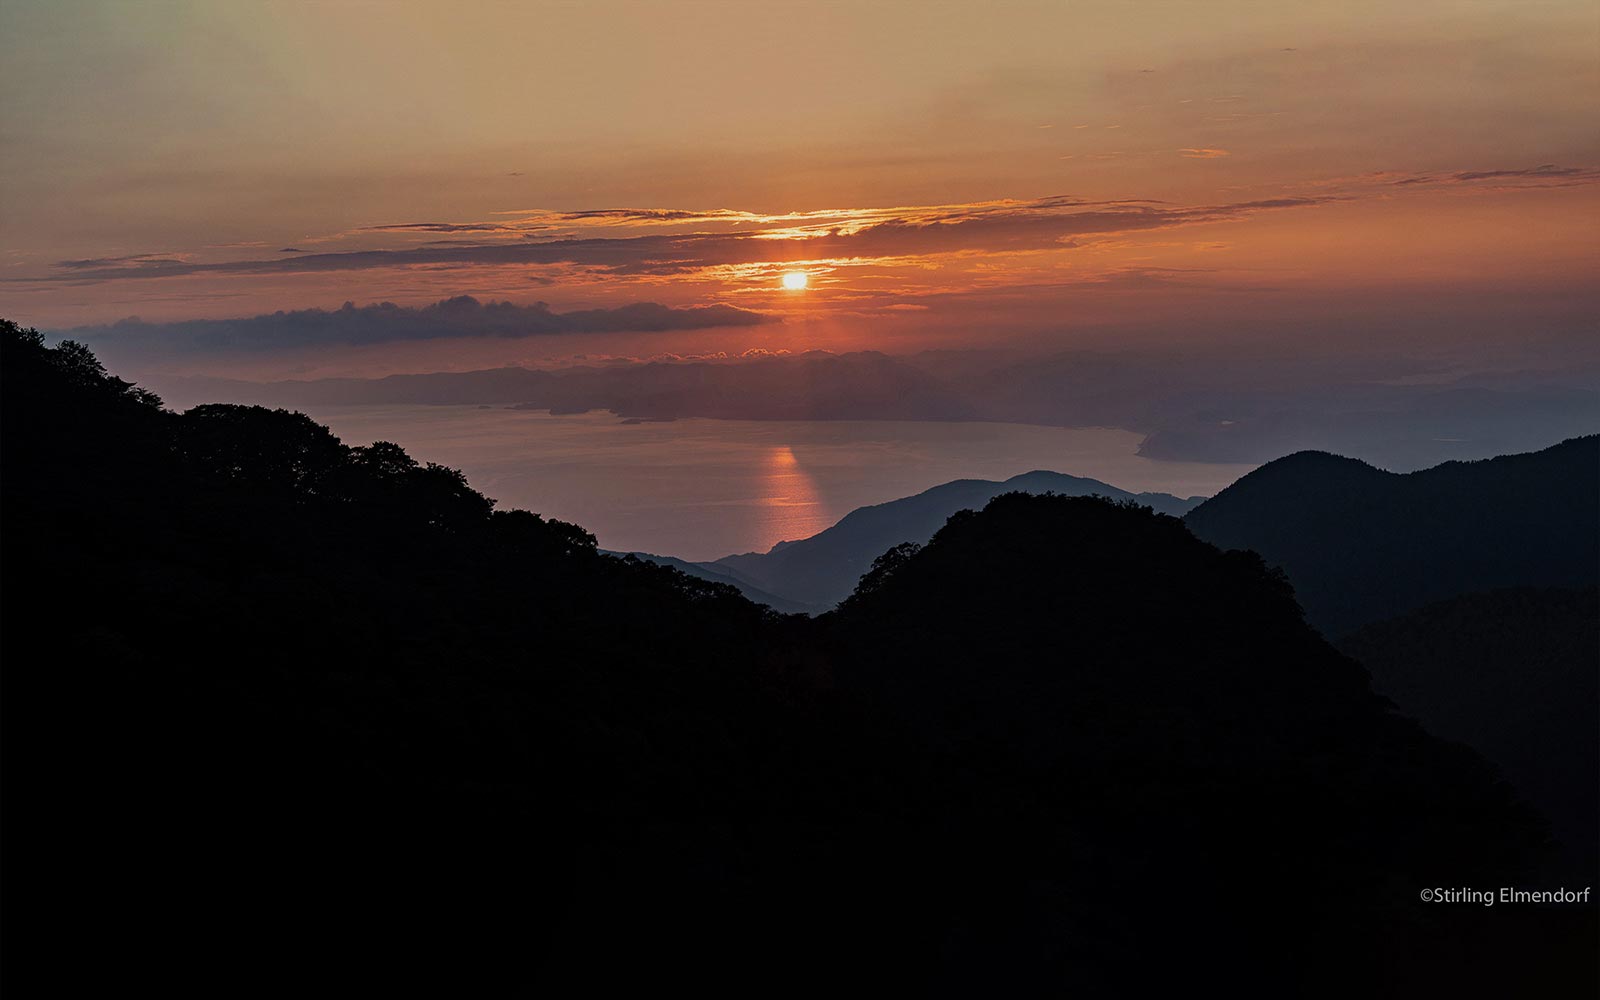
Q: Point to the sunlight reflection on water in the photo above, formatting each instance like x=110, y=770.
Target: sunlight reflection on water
x=795, y=505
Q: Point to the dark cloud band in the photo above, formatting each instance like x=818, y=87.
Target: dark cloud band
x=351, y=325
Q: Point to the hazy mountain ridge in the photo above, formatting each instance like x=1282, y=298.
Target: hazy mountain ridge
x=820, y=571
x=1247, y=411
x=714, y=573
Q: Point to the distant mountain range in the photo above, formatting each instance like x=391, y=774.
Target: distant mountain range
x=1245, y=411
x=816, y=573
x=1358, y=543
x=711, y=572
x=1361, y=545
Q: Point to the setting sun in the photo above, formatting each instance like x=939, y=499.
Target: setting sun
x=794, y=281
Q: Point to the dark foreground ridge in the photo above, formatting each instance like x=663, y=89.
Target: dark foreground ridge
x=1362, y=544
x=281, y=711
x=1514, y=674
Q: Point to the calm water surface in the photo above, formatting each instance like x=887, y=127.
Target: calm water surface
x=706, y=488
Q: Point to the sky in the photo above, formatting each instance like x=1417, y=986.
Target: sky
x=637, y=179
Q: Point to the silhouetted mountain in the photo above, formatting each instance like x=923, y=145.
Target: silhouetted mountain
x=1515, y=674
x=1087, y=667
x=709, y=571
x=279, y=710
x=305, y=707
x=1362, y=544
x=820, y=571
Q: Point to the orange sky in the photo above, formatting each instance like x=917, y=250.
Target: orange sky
x=946, y=174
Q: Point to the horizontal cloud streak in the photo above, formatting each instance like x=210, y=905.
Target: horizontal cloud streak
x=442, y=227
x=386, y=322
x=132, y=260
x=1544, y=175
x=1048, y=223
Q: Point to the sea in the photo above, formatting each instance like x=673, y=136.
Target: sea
x=700, y=489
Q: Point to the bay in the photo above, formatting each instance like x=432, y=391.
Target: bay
x=700, y=489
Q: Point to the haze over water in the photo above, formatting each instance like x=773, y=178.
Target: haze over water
x=701, y=489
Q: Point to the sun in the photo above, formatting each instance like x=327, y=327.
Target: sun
x=794, y=281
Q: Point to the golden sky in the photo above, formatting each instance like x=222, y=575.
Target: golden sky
x=943, y=173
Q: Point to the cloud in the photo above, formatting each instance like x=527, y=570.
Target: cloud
x=1203, y=153
x=463, y=316
x=130, y=261
x=845, y=235
x=653, y=215
x=1544, y=175
x=442, y=227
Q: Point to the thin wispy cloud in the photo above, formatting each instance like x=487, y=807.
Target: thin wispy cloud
x=441, y=227
x=1544, y=175
x=848, y=235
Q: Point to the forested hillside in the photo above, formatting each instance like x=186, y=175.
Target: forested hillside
x=281, y=711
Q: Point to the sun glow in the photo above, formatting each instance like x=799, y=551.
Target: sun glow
x=794, y=281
